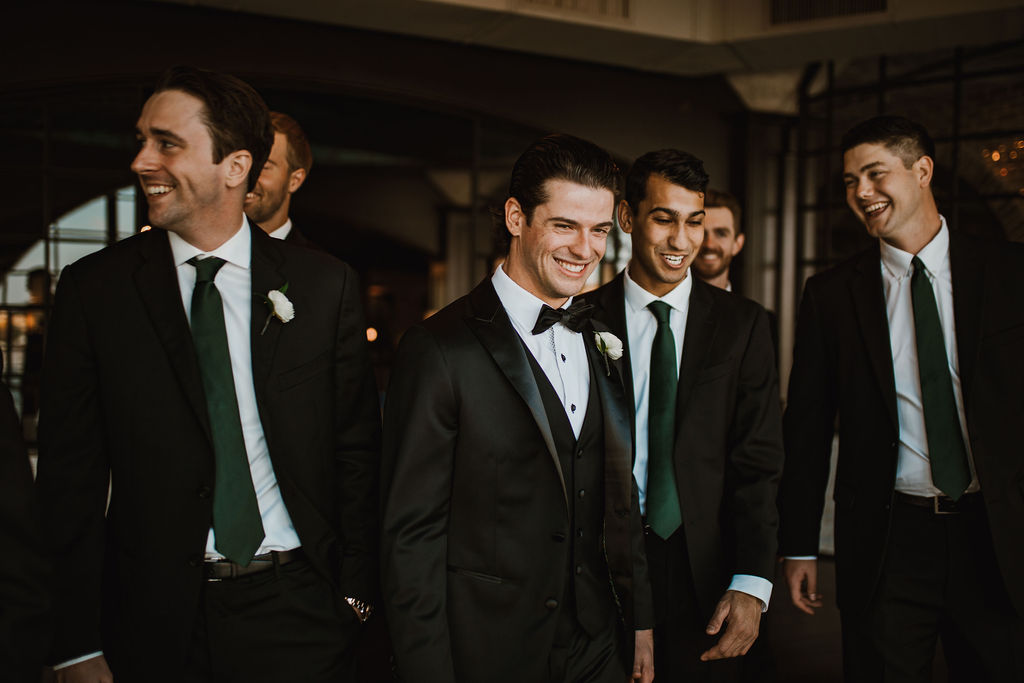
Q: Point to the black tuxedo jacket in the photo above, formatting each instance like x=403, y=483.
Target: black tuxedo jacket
x=124, y=404
x=728, y=446
x=296, y=237
x=843, y=364
x=475, y=521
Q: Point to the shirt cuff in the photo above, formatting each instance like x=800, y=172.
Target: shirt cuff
x=77, y=660
x=753, y=585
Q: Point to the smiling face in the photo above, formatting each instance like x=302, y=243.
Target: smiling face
x=667, y=229
x=553, y=254
x=721, y=244
x=186, y=191
x=269, y=201
x=894, y=202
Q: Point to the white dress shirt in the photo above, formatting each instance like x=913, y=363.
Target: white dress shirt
x=641, y=325
x=283, y=231
x=913, y=468
x=559, y=351
x=234, y=282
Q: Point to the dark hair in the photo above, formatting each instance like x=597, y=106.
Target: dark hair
x=719, y=199
x=906, y=139
x=299, y=153
x=234, y=113
x=557, y=157
x=676, y=166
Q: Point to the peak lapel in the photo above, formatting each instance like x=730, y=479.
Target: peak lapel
x=158, y=286
x=869, y=305
x=611, y=303
x=618, y=419
x=267, y=275
x=491, y=325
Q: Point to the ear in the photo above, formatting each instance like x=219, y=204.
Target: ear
x=295, y=180
x=625, y=217
x=923, y=169
x=237, y=165
x=737, y=245
x=515, y=219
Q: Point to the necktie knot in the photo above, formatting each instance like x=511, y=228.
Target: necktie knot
x=206, y=268
x=574, y=317
x=919, y=267
x=661, y=311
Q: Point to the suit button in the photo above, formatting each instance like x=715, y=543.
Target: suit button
x=203, y=492
x=579, y=569
x=579, y=453
x=558, y=537
x=892, y=445
x=581, y=493
x=579, y=533
x=551, y=603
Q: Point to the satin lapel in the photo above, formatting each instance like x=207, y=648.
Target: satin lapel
x=492, y=327
x=157, y=283
x=267, y=274
x=968, y=278
x=701, y=323
x=618, y=436
x=869, y=305
x=611, y=303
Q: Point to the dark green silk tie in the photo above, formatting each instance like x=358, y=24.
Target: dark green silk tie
x=663, y=512
x=950, y=471
x=238, y=529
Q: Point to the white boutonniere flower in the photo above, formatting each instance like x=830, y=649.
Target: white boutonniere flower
x=610, y=346
x=280, y=306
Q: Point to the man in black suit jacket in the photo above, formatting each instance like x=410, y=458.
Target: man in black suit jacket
x=286, y=169
x=915, y=344
x=24, y=591
x=512, y=549
x=165, y=585
x=715, y=562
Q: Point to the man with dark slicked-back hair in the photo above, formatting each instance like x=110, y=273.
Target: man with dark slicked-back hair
x=704, y=395
x=214, y=382
x=915, y=346
x=512, y=546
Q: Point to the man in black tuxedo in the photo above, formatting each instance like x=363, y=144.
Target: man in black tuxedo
x=217, y=380
x=915, y=344
x=287, y=167
x=708, y=434
x=24, y=590
x=512, y=547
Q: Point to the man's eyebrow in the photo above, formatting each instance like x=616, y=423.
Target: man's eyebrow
x=863, y=168
x=675, y=214
x=163, y=133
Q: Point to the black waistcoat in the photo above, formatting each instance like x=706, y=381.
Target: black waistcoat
x=588, y=590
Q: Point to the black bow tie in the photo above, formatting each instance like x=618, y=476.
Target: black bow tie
x=574, y=317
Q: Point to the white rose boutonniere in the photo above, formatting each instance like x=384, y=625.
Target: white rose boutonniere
x=610, y=346
x=280, y=306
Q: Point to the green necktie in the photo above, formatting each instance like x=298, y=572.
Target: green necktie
x=663, y=512
x=238, y=529
x=950, y=471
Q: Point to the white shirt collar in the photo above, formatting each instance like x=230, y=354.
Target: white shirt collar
x=237, y=250
x=521, y=306
x=283, y=231
x=638, y=298
x=934, y=255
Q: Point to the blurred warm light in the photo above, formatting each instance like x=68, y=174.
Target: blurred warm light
x=995, y=156
x=1020, y=144
x=146, y=228
x=371, y=334
x=1003, y=172
x=1013, y=154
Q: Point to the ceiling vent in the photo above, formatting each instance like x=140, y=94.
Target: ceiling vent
x=790, y=11
x=600, y=9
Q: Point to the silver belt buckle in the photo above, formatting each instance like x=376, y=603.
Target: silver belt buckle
x=939, y=511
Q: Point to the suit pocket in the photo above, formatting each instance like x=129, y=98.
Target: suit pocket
x=480, y=576
x=304, y=372
x=710, y=374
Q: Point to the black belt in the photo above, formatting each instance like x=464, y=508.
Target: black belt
x=942, y=505
x=225, y=570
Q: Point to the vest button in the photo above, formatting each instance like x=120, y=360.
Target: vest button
x=551, y=603
x=582, y=493
x=579, y=453
x=579, y=569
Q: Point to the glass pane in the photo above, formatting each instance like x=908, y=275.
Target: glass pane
x=991, y=104
x=931, y=105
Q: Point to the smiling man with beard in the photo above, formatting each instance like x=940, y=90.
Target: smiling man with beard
x=704, y=395
x=915, y=345
x=723, y=239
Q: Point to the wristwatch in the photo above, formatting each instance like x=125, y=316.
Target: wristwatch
x=363, y=609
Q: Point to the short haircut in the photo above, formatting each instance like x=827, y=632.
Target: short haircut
x=676, y=166
x=557, y=157
x=719, y=199
x=906, y=139
x=234, y=113
x=299, y=153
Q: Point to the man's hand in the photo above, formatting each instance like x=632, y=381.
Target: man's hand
x=802, y=579
x=643, y=657
x=93, y=670
x=742, y=614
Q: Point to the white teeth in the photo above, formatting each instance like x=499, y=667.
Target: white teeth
x=158, y=189
x=673, y=259
x=572, y=267
x=877, y=206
